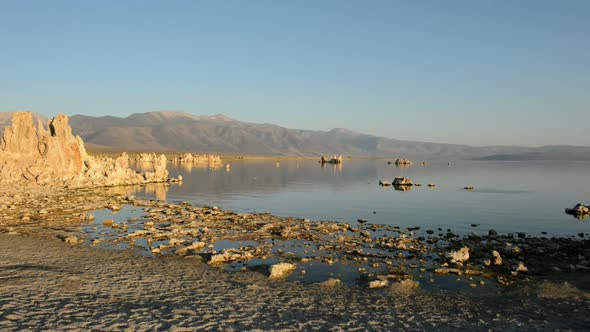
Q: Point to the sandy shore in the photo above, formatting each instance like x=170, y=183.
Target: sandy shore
x=47, y=284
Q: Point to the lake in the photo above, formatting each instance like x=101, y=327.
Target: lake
x=508, y=196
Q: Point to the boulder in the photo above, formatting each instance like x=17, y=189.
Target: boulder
x=229, y=255
x=459, y=256
x=579, y=210
x=378, y=283
x=520, y=267
x=281, y=270
x=401, y=181
x=497, y=259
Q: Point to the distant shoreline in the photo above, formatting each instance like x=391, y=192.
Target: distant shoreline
x=112, y=152
x=115, y=152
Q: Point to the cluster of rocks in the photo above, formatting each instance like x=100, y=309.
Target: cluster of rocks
x=32, y=155
x=402, y=181
x=397, y=181
x=505, y=257
x=146, y=158
x=402, y=184
x=190, y=158
x=332, y=160
x=579, y=211
x=403, y=162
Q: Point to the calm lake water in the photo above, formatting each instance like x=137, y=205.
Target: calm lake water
x=508, y=196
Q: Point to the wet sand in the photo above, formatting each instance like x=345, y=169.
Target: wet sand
x=48, y=284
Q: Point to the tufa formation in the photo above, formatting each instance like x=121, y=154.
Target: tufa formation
x=31, y=154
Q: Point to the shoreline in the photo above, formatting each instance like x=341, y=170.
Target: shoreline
x=167, y=225
x=169, y=154
x=67, y=232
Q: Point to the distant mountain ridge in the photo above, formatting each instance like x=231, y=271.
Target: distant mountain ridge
x=179, y=131
x=218, y=134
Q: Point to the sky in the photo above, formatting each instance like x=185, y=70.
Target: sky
x=472, y=72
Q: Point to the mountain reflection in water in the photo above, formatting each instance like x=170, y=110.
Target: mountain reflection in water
x=508, y=196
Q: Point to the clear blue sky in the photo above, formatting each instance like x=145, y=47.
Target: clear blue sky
x=476, y=72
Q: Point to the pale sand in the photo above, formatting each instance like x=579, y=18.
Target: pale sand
x=47, y=284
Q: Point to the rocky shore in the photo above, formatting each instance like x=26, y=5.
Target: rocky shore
x=377, y=252
x=91, y=253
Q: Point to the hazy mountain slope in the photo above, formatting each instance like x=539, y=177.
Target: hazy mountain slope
x=218, y=134
x=177, y=131
x=555, y=152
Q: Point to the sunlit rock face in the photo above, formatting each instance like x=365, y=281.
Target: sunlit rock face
x=34, y=155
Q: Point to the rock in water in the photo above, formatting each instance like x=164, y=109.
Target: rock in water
x=281, y=270
x=497, y=258
x=579, y=210
x=405, y=162
x=520, y=267
x=459, y=256
x=401, y=181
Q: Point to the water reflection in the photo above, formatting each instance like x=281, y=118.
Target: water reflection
x=142, y=166
x=189, y=167
x=246, y=176
x=402, y=188
x=153, y=190
x=159, y=190
x=336, y=168
x=123, y=190
x=509, y=196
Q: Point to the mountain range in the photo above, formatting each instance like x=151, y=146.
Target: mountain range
x=179, y=131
